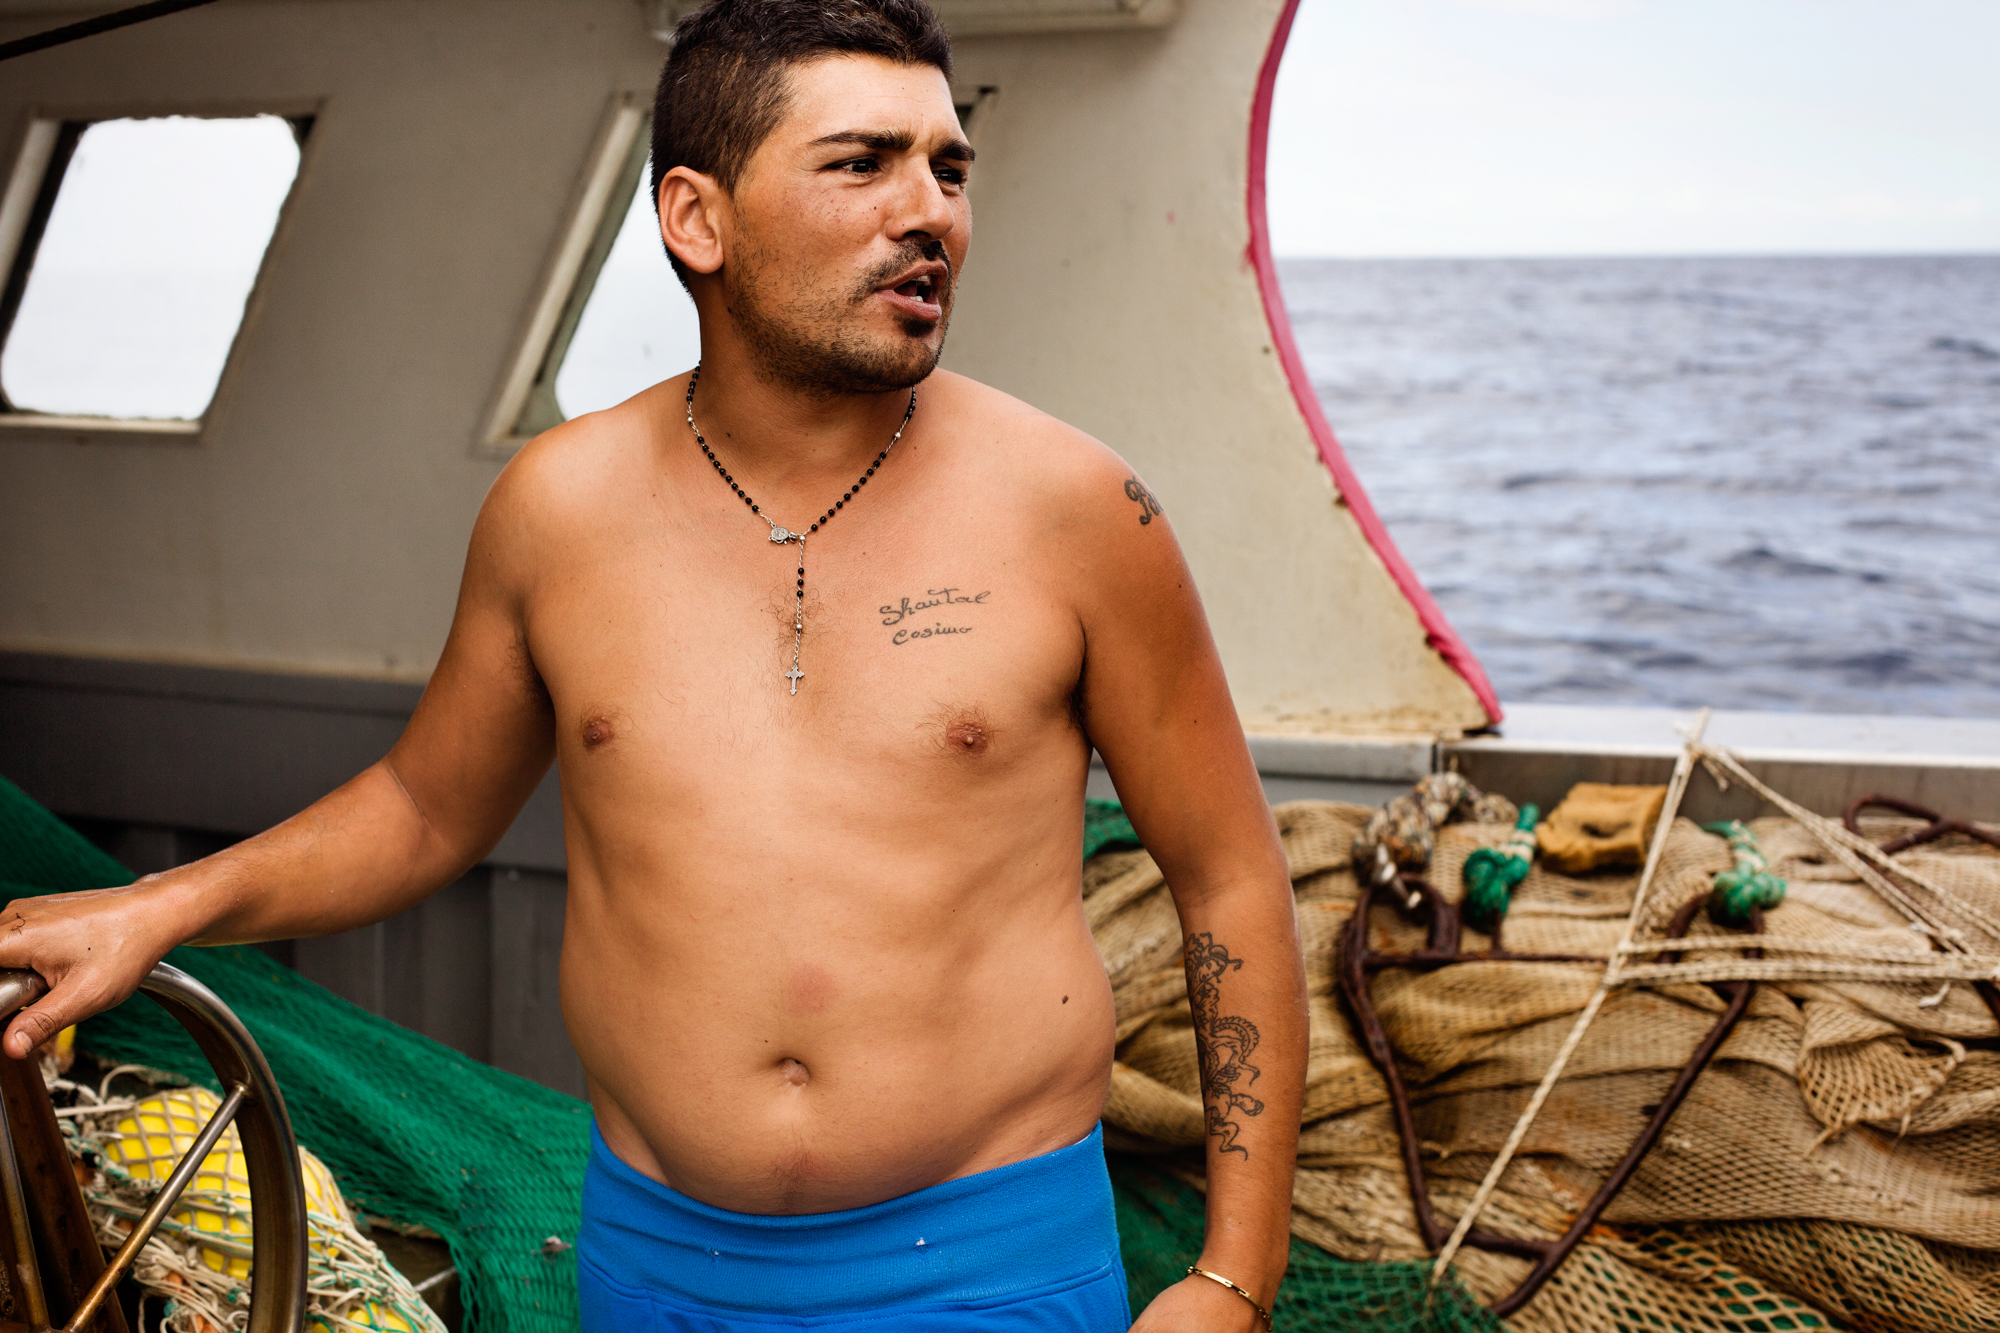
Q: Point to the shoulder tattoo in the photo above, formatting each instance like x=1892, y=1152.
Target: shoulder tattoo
x=1149, y=504
x=1223, y=1042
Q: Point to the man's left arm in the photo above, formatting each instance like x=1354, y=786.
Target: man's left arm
x=1158, y=710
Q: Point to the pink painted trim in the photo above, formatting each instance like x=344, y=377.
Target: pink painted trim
x=1437, y=631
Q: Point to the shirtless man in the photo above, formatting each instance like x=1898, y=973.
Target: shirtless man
x=825, y=963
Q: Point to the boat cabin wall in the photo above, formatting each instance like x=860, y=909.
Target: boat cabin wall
x=206, y=625
x=315, y=520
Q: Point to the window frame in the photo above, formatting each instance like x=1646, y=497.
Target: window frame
x=524, y=404
x=34, y=180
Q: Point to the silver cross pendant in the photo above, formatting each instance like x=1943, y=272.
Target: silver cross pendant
x=780, y=536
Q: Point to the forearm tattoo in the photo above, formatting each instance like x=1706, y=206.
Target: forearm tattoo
x=1149, y=504
x=1223, y=1042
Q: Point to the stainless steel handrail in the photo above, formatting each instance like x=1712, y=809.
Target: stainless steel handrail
x=253, y=1101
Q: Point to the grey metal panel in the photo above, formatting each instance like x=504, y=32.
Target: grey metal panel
x=1596, y=727
x=1824, y=785
x=535, y=840
x=190, y=747
x=528, y=1033
x=429, y=968
x=1822, y=761
x=451, y=981
x=1279, y=787
x=1398, y=760
x=351, y=964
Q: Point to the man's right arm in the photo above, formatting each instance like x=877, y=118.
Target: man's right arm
x=478, y=744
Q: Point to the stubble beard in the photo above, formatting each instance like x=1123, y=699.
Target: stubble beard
x=809, y=341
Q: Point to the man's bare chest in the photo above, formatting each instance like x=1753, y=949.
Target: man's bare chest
x=909, y=658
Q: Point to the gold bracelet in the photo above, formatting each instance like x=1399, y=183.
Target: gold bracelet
x=1262, y=1313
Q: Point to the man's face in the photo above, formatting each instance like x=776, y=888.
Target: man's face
x=849, y=228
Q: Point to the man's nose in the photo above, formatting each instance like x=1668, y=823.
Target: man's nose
x=921, y=207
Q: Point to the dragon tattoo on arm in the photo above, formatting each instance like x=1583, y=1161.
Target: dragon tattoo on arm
x=1223, y=1042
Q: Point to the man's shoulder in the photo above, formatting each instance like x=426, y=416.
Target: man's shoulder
x=573, y=469
x=1055, y=463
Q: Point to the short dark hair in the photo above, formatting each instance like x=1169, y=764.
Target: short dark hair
x=723, y=88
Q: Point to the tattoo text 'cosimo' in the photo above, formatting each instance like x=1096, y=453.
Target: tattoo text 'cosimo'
x=1224, y=1042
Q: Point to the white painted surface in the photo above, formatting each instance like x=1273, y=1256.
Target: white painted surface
x=1820, y=737
x=319, y=521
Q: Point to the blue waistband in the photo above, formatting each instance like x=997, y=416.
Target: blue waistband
x=1035, y=1224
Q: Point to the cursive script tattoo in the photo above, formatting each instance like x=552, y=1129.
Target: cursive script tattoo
x=903, y=636
x=1224, y=1042
x=903, y=610
x=1149, y=504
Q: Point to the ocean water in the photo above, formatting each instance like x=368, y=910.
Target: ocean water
x=1764, y=483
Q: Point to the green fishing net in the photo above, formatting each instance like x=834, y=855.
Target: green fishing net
x=1159, y=1232
x=414, y=1131
x=421, y=1135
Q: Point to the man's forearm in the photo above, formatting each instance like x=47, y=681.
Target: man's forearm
x=362, y=852
x=1246, y=994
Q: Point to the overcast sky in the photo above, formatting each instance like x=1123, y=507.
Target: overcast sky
x=1561, y=127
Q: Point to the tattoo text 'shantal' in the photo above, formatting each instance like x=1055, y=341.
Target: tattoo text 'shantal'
x=1224, y=1042
x=1149, y=504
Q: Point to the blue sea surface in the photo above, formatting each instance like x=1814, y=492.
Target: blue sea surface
x=1765, y=483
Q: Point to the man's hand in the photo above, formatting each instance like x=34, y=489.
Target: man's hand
x=1197, y=1305
x=93, y=949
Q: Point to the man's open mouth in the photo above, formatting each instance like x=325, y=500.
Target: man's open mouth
x=921, y=285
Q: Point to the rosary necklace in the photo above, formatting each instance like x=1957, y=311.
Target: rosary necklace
x=782, y=535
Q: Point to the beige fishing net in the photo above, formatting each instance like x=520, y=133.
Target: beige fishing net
x=1839, y=1160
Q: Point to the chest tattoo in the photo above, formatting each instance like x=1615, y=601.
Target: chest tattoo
x=906, y=615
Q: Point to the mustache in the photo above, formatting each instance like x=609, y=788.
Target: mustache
x=907, y=254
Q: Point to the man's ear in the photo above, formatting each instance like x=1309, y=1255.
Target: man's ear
x=693, y=214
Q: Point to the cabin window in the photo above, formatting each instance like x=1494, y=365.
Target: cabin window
x=636, y=325
x=608, y=318
x=131, y=248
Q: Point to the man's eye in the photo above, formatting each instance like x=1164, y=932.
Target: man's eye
x=860, y=166
x=951, y=175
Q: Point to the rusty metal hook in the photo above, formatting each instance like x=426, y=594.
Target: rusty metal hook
x=1938, y=827
x=1355, y=960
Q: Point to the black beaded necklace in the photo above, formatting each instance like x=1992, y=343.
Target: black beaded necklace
x=781, y=535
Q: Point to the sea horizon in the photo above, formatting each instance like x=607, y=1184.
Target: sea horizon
x=1762, y=482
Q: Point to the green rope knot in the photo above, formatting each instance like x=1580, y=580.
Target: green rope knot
x=1749, y=886
x=1492, y=873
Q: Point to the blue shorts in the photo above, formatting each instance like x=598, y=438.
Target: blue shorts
x=1026, y=1248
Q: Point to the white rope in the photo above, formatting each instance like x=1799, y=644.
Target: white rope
x=1676, y=788
x=1805, y=969
x=1856, y=852
x=1794, y=944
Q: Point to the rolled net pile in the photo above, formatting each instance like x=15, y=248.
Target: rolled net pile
x=1838, y=1165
